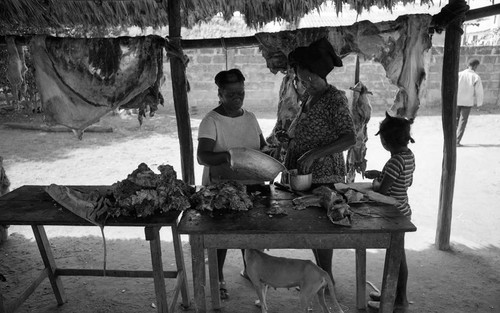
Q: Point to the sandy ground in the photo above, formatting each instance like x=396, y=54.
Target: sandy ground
x=463, y=280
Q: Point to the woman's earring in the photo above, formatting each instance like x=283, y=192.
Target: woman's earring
x=309, y=77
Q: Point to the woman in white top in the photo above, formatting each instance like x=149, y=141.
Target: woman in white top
x=225, y=127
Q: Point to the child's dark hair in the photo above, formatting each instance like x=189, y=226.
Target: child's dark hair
x=396, y=131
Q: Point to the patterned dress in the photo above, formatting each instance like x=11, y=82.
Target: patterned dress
x=327, y=120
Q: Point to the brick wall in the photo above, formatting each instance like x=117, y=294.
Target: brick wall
x=262, y=86
x=488, y=70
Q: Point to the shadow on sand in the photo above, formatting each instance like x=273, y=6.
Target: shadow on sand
x=462, y=280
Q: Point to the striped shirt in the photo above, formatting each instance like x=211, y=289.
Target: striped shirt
x=400, y=167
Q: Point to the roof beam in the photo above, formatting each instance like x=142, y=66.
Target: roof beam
x=226, y=43
x=187, y=44
x=249, y=41
x=482, y=12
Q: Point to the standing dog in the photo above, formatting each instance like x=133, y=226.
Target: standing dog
x=265, y=270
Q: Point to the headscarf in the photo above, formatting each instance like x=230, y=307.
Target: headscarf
x=228, y=77
x=319, y=57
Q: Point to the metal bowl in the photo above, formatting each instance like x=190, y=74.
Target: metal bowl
x=255, y=165
x=300, y=182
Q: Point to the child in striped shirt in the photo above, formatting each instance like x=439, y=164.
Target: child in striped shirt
x=394, y=180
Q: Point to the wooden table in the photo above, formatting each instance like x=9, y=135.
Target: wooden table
x=304, y=229
x=31, y=205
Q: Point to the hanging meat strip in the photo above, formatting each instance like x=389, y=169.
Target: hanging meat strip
x=398, y=45
x=361, y=111
x=80, y=80
x=16, y=68
x=288, y=106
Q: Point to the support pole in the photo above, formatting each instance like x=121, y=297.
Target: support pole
x=178, y=74
x=449, y=87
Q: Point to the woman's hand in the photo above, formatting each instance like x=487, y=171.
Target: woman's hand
x=282, y=136
x=372, y=174
x=306, y=161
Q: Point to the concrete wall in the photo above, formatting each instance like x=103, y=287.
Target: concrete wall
x=262, y=86
x=488, y=70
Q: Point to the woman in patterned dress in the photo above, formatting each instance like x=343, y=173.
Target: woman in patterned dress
x=323, y=128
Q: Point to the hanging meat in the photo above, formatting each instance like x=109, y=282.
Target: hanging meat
x=361, y=111
x=80, y=80
x=4, y=181
x=288, y=106
x=398, y=45
x=16, y=69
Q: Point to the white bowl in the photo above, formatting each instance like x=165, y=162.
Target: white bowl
x=255, y=165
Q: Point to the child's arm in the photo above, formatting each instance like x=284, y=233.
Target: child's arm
x=372, y=174
x=382, y=186
x=392, y=170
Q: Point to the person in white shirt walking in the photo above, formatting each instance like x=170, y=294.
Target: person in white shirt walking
x=470, y=88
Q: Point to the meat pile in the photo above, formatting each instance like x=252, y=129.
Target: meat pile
x=222, y=197
x=142, y=193
x=146, y=193
x=337, y=210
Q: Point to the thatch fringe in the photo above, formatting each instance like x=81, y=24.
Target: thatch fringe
x=73, y=17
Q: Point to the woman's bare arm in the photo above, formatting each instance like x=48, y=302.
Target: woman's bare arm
x=207, y=156
x=343, y=143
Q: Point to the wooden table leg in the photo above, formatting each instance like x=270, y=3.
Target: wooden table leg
x=179, y=259
x=48, y=260
x=213, y=273
x=391, y=272
x=198, y=261
x=153, y=236
x=360, y=279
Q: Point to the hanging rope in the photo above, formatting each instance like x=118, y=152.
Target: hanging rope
x=223, y=44
x=176, y=52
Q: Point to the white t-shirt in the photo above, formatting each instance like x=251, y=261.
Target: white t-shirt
x=470, y=88
x=229, y=132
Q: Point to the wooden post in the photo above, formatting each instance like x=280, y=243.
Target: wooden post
x=449, y=87
x=178, y=75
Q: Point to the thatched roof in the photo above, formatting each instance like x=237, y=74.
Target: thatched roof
x=77, y=17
